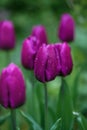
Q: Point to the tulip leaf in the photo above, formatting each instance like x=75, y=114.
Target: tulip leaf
x=81, y=122
x=32, y=100
x=64, y=108
x=18, y=128
x=56, y=124
x=29, y=118
x=75, y=89
x=4, y=118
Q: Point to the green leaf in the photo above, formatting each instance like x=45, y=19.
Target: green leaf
x=32, y=103
x=56, y=124
x=64, y=108
x=4, y=118
x=18, y=128
x=28, y=118
x=75, y=89
x=82, y=122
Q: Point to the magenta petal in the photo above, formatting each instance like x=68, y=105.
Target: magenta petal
x=12, y=87
x=63, y=50
x=66, y=59
x=39, y=32
x=7, y=35
x=52, y=68
x=27, y=56
x=40, y=63
x=16, y=92
x=46, y=63
x=29, y=50
x=66, y=30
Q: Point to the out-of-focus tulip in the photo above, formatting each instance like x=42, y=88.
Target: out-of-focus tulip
x=7, y=35
x=39, y=32
x=12, y=87
x=29, y=50
x=66, y=30
x=46, y=63
x=65, y=58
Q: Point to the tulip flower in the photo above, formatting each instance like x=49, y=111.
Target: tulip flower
x=39, y=32
x=46, y=63
x=66, y=30
x=7, y=35
x=29, y=50
x=65, y=58
x=12, y=87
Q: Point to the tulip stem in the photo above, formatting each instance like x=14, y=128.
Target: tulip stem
x=46, y=106
x=8, y=57
x=33, y=94
x=13, y=119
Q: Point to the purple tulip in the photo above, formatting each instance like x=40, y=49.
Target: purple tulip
x=65, y=58
x=29, y=50
x=66, y=28
x=46, y=63
x=39, y=32
x=7, y=35
x=12, y=87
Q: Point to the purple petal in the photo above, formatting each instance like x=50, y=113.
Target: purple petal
x=66, y=28
x=7, y=35
x=66, y=59
x=53, y=63
x=39, y=32
x=12, y=87
x=40, y=63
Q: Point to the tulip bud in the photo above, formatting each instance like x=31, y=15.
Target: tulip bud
x=7, y=35
x=65, y=58
x=29, y=50
x=40, y=33
x=12, y=87
x=46, y=63
x=66, y=28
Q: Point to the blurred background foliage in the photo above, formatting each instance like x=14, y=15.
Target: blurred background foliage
x=27, y=13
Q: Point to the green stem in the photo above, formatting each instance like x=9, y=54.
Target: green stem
x=33, y=98
x=46, y=106
x=32, y=79
x=75, y=91
x=13, y=119
x=8, y=57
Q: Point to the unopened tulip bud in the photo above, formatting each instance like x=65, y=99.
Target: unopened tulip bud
x=7, y=35
x=46, y=63
x=66, y=30
x=12, y=87
x=29, y=50
x=65, y=58
x=39, y=32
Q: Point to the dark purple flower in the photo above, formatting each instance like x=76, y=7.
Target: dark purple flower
x=39, y=32
x=66, y=30
x=29, y=50
x=7, y=35
x=46, y=63
x=12, y=87
x=65, y=58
